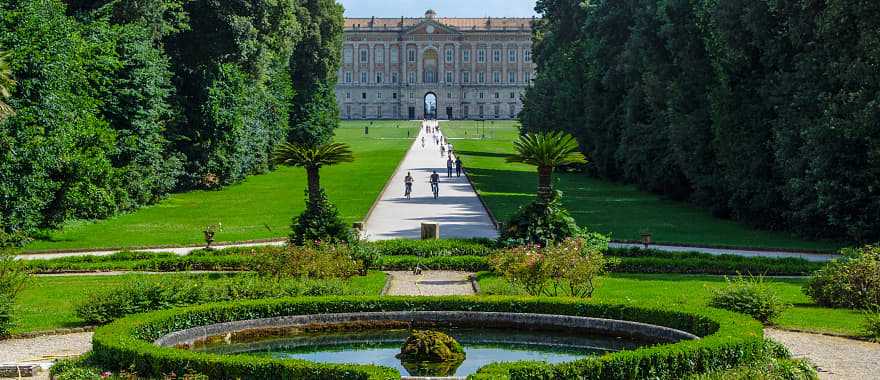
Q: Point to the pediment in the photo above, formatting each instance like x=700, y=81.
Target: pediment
x=433, y=28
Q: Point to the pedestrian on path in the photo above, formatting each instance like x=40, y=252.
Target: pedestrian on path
x=449, y=165
x=457, y=166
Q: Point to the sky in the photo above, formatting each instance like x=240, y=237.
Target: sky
x=444, y=8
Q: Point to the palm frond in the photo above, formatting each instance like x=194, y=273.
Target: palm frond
x=308, y=156
x=547, y=149
x=6, y=84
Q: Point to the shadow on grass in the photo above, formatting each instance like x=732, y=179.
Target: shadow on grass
x=481, y=154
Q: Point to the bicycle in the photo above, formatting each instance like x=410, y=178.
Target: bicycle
x=435, y=188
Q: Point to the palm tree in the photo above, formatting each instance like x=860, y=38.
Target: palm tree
x=312, y=158
x=547, y=150
x=6, y=84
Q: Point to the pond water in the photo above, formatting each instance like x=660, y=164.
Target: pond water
x=379, y=347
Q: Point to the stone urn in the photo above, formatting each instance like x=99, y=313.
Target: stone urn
x=431, y=353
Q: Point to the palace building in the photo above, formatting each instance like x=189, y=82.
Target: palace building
x=431, y=67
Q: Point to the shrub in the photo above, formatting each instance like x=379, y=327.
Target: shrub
x=13, y=278
x=727, y=339
x=750, y=296
x=540, y=223
x=570, y=267
x=871, y=325
x=852, y=281
x=775, y=364
x=318, y=261
x=141, y=295
x=319, y=222
x=366, y=255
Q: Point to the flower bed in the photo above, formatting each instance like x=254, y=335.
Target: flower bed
x=728, y=339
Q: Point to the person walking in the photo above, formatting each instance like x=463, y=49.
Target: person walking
x=408, y=184
x=449, y=165
x=457, y=166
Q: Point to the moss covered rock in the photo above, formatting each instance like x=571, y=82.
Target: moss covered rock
x=430, y=347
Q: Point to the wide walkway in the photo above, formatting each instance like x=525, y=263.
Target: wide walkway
x=458, y=210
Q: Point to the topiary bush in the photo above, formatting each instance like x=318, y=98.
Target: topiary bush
x=431, y=353
x=750, y=296
x=852, y=281
x=540, y=223
x=319, y=222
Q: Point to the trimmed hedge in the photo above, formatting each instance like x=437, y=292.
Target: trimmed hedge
x=728, y=340
x=468, y=255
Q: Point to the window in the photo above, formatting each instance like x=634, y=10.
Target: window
x=496, y=76
x=497, y=96
x=348, y=55
x=411, y=55
x=449, y=77
x=449, y=95
x=348, y=111
x=365, y=77
x=395, y=55
x=394, y=77
x=466, y=55
x=527, y=55
x=380, y=77
x=450, y=56
x=496, y=56
x=429, y=77
x=481, y=77
x=511, y=76
x=348, y=95
x=513, y=95
x=380, y=54
x=511, y=55
x=379, y=111
x=482, y=95
x=481, y=111
x=393, y=95
x=365, y=56
x=364, y=111
x=348, y=77
x=528, y=77
x=481, y=56
x=412, y=77
x=497, y=111
x=379, y=95
x=466, y=76
x=363, y=95
x=466, y=111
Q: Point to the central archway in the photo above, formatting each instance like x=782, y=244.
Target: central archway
x=430, y=106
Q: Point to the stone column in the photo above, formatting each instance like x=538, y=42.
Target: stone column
x=419, y=63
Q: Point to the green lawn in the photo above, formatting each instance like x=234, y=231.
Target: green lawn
x=260, y=207
x=620, y=210
x=645, y=289
x=48, y=303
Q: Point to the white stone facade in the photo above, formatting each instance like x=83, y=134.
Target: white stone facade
x=478, y=68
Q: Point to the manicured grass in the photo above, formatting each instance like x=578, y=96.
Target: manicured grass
x=260, y=207
x=620, y=210
x=48, y=303
x=644, y=289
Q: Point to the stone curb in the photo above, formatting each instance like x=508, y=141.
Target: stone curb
x=65, y=331
x=521, y=320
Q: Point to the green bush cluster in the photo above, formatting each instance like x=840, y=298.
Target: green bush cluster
x=121, y=102
x=540, y=223
x=776, y=364
x=13, y=278
x=852, y=281
x=319, y=222
x=727, y=340
x=142, y=295
x=750, y=296
x=316, y=261
x=763, y=111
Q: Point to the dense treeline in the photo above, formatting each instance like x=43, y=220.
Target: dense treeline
x=767, y=112
x=119, y=102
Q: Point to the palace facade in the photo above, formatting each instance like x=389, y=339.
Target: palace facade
x=446, y=68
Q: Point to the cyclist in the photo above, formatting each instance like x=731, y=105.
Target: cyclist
x=435, y=184
x=408, y=183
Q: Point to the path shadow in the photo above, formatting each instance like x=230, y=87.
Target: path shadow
x=481, y=154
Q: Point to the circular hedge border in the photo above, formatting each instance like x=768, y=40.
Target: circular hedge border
x=728, y=339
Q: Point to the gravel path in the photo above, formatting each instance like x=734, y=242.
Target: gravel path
x=430, y=283
x=44, y=349
x=458, y=210
x=836, y=358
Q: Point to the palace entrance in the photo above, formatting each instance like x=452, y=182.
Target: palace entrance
x=430, y=106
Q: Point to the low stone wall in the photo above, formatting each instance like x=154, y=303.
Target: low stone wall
x=583, y=325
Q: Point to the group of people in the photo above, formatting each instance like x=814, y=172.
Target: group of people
x=451, y=164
